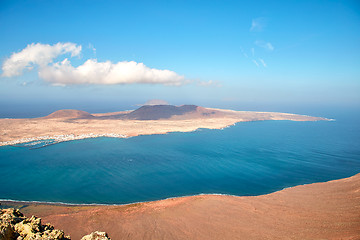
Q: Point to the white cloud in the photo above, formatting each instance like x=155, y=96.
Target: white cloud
x=256, y=63
x=36, y=54
x=90, y=46
x=90, y=72
x=257, y=24
x=253, y=51
x=94, y=72
x=265, y=45
x=263, y=62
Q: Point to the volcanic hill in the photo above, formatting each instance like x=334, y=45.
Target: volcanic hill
x=146, y=112
x=69, y=113
x=155, y=112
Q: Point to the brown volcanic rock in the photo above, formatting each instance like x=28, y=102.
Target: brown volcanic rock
x=155, y=112
x=202, y=113
x=69, y=113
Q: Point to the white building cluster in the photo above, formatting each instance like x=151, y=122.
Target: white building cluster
x=62, y=138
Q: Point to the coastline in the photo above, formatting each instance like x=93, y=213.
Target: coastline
x=61, y=138
x=72, y=137
x=19, y=131
x=13, y=201
x=312, y=211
x=326, y=210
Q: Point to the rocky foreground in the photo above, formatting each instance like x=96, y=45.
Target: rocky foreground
x=15, y=226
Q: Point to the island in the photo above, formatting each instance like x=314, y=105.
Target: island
x=328, y=210
x=66, y=125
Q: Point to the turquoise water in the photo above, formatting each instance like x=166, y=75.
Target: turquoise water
x=250, y=158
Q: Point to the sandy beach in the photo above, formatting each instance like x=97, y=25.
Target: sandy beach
x=327, y=210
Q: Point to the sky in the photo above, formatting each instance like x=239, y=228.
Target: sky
x=113, y=55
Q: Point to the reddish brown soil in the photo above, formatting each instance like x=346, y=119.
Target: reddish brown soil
x=328, y=210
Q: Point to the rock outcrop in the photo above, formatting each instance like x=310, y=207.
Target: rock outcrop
x=96, y=236
x=15, y=226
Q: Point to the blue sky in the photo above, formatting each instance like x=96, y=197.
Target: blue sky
x=251, y=55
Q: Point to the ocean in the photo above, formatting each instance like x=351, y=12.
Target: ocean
x=250, y=158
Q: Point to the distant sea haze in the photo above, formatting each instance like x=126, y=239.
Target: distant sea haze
x=250, y=158
x=32, y=110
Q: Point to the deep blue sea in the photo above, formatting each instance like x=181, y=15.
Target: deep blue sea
x=250, y=158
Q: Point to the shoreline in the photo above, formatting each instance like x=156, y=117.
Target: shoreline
x=61, y=138
x=322, y=210
x=74, y=137
x=162, y=199
x=73, y=127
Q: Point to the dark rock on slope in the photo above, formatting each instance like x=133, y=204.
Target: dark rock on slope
x=155, y=112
